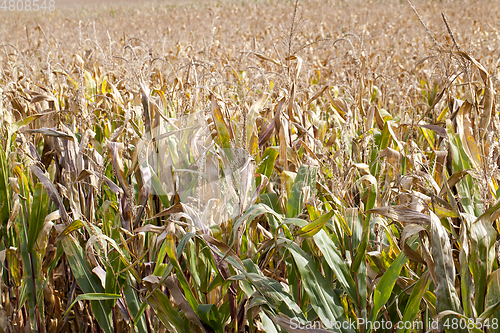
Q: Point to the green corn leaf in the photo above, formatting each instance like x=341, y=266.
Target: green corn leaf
x=272, y=200
x=324, y=300
x=209, y=314
x=171, y=249
x=134, y=305
x=384, y=287
x=167, y=314
x=413, y=306
x=24, y=122
x=304, y=181
x=38, y=214
x=492, y=297
x=223, y=130
x=89, y=283
x=482, y=238
x=467, y=282
x=277, y=298
x=92, y=297
x=5, y=194
x=336, y=263
x=315, y=226
x=446, y=295
x=266, y=165
x=267, y=323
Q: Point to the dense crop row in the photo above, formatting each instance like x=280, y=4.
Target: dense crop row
x=263, y=166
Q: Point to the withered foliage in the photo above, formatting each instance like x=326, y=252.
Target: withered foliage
x=255, y=166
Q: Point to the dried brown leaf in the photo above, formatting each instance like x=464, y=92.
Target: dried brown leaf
x=401, y=214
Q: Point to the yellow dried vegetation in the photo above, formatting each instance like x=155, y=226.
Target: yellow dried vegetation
x=250, y=166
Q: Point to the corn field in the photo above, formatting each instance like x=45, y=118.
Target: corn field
x=250, y=166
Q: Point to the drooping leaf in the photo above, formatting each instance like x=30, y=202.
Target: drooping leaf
x=444, y=268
